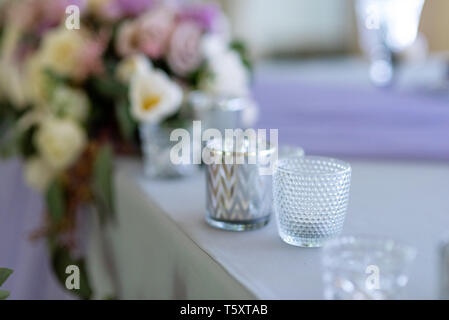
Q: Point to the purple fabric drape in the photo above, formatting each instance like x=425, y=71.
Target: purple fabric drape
x=20, y=215
x=362, y=122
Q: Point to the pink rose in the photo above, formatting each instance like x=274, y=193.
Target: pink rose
x=154, y=31
x=91, y=57
x=184, y=51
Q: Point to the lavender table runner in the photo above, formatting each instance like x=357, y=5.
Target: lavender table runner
x=363, y=121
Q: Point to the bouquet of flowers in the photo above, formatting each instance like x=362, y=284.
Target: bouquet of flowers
x=77, y=76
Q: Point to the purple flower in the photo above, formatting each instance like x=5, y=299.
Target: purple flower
x=205, y=15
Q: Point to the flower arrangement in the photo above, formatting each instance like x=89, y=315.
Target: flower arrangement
x=70, y=99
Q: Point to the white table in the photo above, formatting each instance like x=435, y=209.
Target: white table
x=164, y=248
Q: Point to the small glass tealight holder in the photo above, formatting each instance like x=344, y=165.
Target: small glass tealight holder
x=310, y=199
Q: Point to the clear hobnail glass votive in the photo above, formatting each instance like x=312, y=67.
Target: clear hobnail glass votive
x=310, y=199
x=365, y=268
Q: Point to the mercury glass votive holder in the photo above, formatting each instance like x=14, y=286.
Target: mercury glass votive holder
x=223, y=112
x=239, y=197
x=365, y=268
x=310, y=199
x=156, y=147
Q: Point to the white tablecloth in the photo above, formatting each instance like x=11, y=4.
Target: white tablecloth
x=165, y=249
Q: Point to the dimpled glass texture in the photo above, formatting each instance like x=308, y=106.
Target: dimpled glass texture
x=310, y=199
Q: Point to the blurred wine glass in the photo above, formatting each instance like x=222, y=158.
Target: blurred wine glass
x=386, y=29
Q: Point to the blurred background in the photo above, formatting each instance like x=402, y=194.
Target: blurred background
x=301, y=28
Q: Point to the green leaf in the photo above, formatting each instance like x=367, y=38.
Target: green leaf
x=242, y=50
x=103, y=182
x=109, y=87
x=4, y=275
x=126, y=123
x=4, y=294
x=26, y=143
x=61, y=259
x=56, y=201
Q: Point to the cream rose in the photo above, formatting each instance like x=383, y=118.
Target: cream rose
x=38, y=174
x=70, y=103
x=60, y=142
x=61, y=49
x=153, y=96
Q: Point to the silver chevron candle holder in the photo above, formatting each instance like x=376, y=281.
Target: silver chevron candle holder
x=239, y=198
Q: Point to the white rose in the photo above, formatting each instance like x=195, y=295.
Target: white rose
x=61, y=50
x=70, y=103
x=154, y=96
x=38, y=174
x=227, y=75
x=212, y=45
x=132, y=64
x=60, y=142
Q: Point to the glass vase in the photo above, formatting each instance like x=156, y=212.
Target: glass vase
x=156, y=147
x=223, y=112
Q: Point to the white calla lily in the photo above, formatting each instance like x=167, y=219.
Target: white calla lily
x=153, y=96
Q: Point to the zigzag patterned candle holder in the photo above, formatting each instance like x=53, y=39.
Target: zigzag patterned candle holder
x=239, y=198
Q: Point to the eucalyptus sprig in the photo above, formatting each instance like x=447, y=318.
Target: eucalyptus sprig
x=4, y=275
